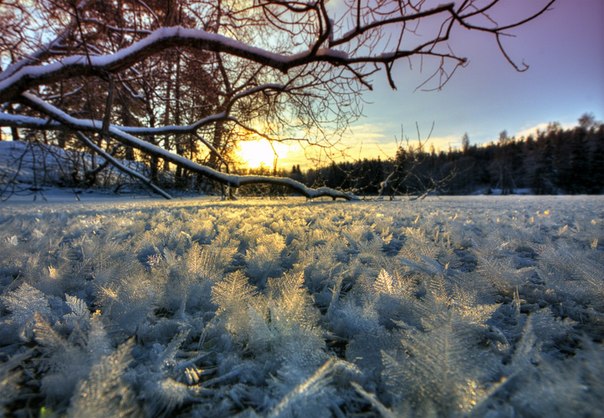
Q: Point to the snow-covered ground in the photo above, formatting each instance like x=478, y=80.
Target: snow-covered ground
x=480, y=306
x=30, y=169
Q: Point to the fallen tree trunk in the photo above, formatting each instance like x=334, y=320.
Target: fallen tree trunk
x=63, y=121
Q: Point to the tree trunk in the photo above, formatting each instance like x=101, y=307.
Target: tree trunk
x=167, y=118
x=214, y=161
x=179, y=176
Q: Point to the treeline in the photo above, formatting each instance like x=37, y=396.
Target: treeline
x=553, y=161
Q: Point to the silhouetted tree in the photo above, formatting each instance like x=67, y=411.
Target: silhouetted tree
x=465, y=143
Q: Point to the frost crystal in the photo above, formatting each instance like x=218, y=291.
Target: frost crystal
x=288, y=308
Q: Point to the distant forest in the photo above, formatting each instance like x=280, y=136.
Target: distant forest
x=552, y=161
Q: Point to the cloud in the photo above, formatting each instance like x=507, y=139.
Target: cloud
x=367, y=140
x=540, y=127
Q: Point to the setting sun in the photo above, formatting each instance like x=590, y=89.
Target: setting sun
x=255, y=154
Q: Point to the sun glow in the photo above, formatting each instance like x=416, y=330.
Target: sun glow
x=259, y=153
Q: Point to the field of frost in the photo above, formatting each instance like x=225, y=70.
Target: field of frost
x=442, y=307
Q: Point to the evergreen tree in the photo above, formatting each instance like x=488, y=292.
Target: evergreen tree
x=465, y=143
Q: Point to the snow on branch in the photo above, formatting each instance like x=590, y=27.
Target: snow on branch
x=20, y=121
x=159, y=40
x=86, y=125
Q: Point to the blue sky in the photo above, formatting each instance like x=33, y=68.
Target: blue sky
x=565, y=51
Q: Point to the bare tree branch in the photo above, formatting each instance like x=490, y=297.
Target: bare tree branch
x=90, y=144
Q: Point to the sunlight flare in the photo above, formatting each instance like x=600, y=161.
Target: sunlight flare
x=260, y=153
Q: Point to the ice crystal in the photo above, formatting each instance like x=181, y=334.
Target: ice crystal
x=439, y=367
x=24, y=302
x=440, y=307
x=232, y=292
x=263, y=260
x=103, y=393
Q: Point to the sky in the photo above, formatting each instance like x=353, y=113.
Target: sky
x=564, y=50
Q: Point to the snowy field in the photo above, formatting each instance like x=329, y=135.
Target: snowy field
x=482, y=306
